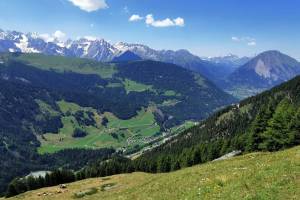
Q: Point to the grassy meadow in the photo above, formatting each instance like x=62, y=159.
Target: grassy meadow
x=252, y=176
x=62, y=64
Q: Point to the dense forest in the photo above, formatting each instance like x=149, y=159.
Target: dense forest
x=195, y=101
x=267, y=122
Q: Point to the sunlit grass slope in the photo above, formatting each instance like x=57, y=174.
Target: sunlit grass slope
x=253, y=176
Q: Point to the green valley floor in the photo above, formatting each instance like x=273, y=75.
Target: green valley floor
x=252, y=176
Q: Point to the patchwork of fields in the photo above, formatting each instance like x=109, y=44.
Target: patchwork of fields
x=114, y=132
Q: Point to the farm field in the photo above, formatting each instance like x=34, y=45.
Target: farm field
x=115, y=132
x=132, y=86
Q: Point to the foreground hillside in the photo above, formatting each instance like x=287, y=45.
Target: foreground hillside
x=251, y=176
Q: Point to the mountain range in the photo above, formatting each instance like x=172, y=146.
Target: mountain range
x=215, y=69
x=240, y=76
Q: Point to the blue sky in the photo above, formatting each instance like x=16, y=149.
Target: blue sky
x=205, y=27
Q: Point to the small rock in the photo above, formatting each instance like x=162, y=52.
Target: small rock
x=62, y=186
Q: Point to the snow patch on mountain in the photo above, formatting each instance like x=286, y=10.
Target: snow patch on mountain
x=23, y=45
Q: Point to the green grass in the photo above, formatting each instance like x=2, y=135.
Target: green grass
x=144, y=118
x=71, y=107
x=132, y=86
x=261, y=176
x=99, y=136
x=61, y=64
x=180, y=128
x=170, y=102
x=114, y=85
x=171, y=93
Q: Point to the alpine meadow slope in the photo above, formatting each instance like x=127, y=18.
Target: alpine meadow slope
x=252, y=176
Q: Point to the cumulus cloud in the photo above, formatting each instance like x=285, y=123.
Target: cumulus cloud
x=135, y=18
x=245, y=40
x=57, y=35
x=165, y=22
x=46, y=37
x=90, y=5
x=179, y=21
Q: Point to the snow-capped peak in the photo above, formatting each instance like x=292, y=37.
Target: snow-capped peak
x=141, y=50
x=23, y=45
x=33, y=35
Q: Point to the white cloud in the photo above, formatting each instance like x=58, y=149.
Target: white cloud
x=59, y=35
x=46, y=37
x=134, y=18
x=245, y=40
x=179, y=21
x=90, y=5
x=149, y=19
x=236, y=39
x=164, y=23
x=251, y=43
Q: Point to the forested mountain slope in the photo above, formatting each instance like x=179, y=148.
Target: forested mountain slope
x=52, y=103
x=269, y=121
